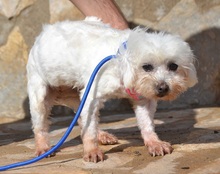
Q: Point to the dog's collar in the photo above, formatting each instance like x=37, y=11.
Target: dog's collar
x=133, y=94
x=122, y=48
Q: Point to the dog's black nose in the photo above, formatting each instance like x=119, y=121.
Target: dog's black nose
x=162, y=89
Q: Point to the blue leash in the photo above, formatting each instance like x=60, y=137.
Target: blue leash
x=68, y=131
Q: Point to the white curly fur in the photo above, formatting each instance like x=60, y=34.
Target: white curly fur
x=63, y=57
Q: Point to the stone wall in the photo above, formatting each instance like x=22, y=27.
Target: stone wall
x=196, y=21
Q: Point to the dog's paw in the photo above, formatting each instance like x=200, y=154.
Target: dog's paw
x=159, y=148
x=41, y=149
x=95, y=156
x=106, y=138
x=42, y=146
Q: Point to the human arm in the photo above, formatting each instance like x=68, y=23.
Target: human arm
x=106, y=10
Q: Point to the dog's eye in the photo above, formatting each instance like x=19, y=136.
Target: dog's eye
x=172, y=66
x=148, y=67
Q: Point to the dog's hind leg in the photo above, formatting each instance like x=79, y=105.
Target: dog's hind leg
x=106, y=138
x=39, y=108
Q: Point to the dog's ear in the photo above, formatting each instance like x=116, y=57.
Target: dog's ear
x=129, y=63
x=127, y=71
x=192, y=76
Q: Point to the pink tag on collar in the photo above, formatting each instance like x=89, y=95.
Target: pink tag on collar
x=133, y=94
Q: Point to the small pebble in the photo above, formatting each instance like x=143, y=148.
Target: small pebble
x=137, y=153
x=215, y=132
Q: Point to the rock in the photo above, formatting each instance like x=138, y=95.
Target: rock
x=5, y=29
x=13, y=8
x=13, y=57
x=153, y=11
x=212, y=168
x=63, y=10
x=126, y=8
x=168, y=161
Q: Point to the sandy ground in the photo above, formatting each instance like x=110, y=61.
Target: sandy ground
x=194, y=134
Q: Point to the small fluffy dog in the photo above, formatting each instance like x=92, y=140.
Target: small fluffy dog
x=148, y=67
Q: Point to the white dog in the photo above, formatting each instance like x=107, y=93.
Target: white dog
x=148, y=67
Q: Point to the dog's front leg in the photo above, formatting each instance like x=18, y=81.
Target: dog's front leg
x=145, y=110
x=89, y=132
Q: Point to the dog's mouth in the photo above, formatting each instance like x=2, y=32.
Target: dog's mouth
x=161, y=95
x=169, y=93
x=168, y=96
x=163, y=92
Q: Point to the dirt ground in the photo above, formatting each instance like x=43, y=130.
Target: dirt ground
x=194, y=134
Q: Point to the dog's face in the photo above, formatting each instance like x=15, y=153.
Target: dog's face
x=160, y=65
x=162, y=80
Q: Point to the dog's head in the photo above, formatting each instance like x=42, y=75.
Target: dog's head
x=158, y=65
